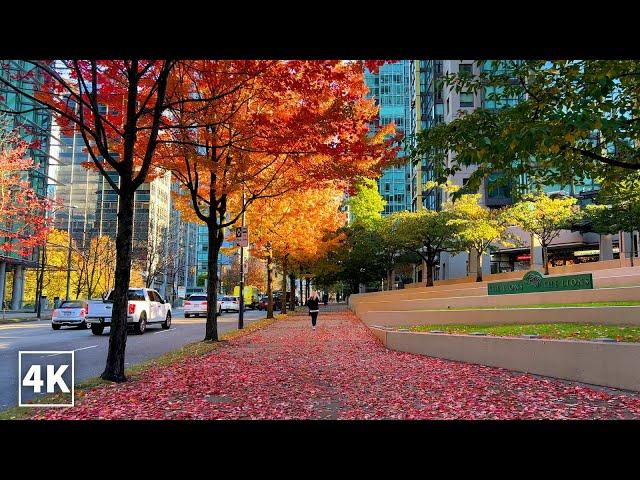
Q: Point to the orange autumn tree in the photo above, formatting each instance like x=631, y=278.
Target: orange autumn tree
x=295, y=229
x=247, y=130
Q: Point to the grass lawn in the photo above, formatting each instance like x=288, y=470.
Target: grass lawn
x=619, y=303
x=545, y=330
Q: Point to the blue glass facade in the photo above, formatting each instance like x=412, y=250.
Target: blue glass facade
x=390, y=87
x=202, y=251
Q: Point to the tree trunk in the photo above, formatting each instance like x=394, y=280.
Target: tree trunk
x=283, y=299
x=545, y=259
x=40, y=279
x=429, y=273
x=114, y=370
x=269, y=281
x=292, y=300
x=478, y=266
x=215, y=242
x=308, y=284
x=301, y=291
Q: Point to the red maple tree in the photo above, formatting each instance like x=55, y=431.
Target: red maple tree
x=23, y=221
x=249, y=129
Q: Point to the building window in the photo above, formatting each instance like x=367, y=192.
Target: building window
x=466, y=68
x=466, y=99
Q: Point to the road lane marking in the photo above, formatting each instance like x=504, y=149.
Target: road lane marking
x=165, y=331
x=75, y=350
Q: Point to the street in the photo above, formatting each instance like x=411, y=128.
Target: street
x=91, y=350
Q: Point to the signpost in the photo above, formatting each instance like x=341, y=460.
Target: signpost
x=535, y=282
x=242, y=236
x=242, y=240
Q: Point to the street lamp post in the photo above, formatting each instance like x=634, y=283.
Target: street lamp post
x=69, y=250
x=241, y=312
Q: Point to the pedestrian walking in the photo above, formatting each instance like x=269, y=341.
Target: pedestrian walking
x=314, y=307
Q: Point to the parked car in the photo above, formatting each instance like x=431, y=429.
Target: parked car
x=230, y=304
x=263, y=303
x=277, y=299
x=72, y=313
x=196, y=305
x=145, y=306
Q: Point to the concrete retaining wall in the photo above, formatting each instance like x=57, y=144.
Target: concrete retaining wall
x=602, y=278
x=612, y=365
x=574, y=296
x=596, y=315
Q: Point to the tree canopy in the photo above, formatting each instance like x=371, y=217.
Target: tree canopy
x=543, y=121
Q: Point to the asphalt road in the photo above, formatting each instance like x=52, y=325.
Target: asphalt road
x=91, y=350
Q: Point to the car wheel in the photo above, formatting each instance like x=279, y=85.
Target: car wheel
x=83, y=326
x=187, y=315
x=97, y=329
x=167, y=323
x=55, y=327
x=141, y=326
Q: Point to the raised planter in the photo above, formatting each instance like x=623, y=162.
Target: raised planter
x=598, y=315
x=599, y=363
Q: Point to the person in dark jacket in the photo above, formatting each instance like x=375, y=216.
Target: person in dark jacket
x=314, y=308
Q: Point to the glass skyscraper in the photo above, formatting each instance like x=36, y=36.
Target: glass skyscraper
x=34, y=127
x=87, y=206
x=390, y=87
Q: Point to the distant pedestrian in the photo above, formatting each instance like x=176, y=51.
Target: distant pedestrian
x=325, y=298
x=314, y=307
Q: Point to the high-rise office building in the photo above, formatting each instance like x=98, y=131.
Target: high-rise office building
x=87, y=207
x=390, y=87
x=33, y=125
x=426, y=110
x=202, y=256
x=431, y=105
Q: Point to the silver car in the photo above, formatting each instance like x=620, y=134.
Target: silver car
x=230, y=304
x=196, y=305
x=71, y=313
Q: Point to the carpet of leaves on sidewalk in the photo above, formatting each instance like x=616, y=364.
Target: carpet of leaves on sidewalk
x=339, y=371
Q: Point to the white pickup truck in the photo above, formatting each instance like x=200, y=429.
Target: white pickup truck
x=145, y=306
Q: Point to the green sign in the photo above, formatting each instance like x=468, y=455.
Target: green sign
x=535, y=282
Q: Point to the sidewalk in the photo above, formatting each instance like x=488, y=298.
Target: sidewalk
x=339, y=371
x=17, y=316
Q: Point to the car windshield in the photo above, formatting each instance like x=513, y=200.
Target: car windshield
x=197, y=298
x=228, y=299
x=76, y=304
x=134, y=294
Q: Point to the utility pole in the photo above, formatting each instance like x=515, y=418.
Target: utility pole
x=241, y=312
x=69, y=251
x=69, y=212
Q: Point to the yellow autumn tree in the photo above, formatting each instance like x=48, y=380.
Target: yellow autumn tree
x=295, y=229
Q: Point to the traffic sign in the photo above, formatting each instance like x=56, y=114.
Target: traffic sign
x=242, y=237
